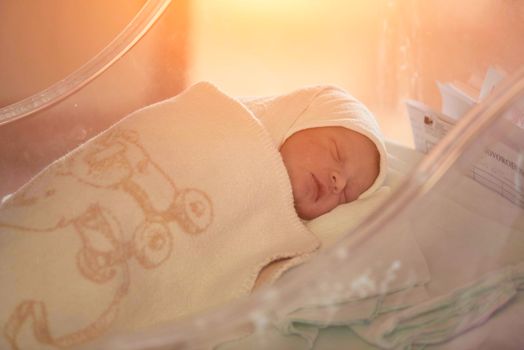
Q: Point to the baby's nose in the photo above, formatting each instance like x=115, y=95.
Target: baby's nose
x=338, y=182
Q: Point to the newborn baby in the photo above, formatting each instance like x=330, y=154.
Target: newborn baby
x=328, y=166
x=330, y=144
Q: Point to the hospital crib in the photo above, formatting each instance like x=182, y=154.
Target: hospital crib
x=462, y=203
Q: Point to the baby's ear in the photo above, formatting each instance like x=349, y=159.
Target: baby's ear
x=380, y=158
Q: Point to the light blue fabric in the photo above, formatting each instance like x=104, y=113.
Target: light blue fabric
x=445, y=317
x=405, y=327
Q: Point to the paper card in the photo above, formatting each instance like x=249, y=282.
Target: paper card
x=516, y=113
x=493, y=77
x=455, y=102
x=501, y=169
x=428, y=126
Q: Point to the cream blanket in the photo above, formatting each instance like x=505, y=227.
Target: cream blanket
x=174, y=210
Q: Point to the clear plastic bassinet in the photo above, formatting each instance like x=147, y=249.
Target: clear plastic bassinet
x=462, y=203
x=469, y=227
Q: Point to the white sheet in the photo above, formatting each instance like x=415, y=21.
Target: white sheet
x=469, y=235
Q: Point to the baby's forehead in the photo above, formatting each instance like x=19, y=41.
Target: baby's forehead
x=345, y=135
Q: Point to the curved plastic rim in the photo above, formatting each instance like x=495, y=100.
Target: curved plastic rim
x=131, y=34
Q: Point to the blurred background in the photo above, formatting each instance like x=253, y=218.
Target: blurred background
x=271, y=47
x=381, y=51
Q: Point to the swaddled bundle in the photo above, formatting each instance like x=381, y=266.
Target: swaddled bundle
x=174, y=210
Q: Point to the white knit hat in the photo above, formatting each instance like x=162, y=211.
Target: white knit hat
x=319, y=106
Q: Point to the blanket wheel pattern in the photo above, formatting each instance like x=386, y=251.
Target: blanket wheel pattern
x=195, y=210
x=153, y=244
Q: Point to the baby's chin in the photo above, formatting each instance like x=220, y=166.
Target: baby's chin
x=307, y=211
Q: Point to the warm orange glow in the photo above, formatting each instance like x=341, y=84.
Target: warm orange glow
x=277, y=45
x=42, y=41
x=268, y=47
x=382, y=51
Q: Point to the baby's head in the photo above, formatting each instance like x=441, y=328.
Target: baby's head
x=328, y=166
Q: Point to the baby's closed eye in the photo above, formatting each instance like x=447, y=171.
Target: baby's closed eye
x=336, y=152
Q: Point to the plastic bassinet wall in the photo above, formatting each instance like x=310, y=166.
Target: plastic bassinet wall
x=469, y=232
x=76, y=87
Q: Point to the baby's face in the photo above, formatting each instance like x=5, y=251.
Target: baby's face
x=327, y=167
